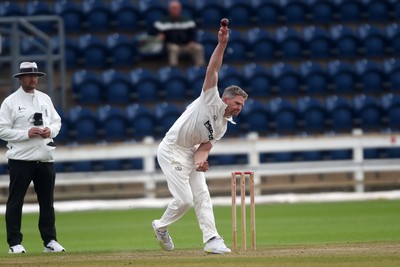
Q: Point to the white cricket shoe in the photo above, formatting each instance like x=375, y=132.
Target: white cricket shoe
x=163, y=238
x=216, y=245
x=53, y=246
x=17, y=249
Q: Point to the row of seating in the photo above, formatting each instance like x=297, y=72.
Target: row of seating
x=96, y=15
x=277, y=116
x=143, y=85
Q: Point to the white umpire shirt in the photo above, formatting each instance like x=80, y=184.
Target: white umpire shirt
x=202, y=121
x=16, y=118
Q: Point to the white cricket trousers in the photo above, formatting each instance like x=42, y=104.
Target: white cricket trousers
x=188, y=187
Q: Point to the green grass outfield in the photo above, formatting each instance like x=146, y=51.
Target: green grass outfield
x=360, y=233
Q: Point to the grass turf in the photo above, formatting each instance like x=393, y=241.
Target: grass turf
x=303, y=232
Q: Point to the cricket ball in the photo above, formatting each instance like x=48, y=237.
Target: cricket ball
x=224, y=22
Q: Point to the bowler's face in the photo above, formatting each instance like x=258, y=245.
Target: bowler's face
x=235, y=106
x=29, y=82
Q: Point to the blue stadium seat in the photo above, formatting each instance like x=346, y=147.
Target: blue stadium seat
x=371, y=76
x=258, y=80
x=72, y=14
x=284, y=116
x=81, y=166
x=290, y=44
x=318, y=42
x=151, y=11
x=141, y=121
x=373, y=41
x=72, y=54
x=93, y=50
x=40, y=8
x=125, y=14
x=294, y=11
x=85, y=124
x=209, y=13
x=315, y=78
x=369, y=112
x=146, y=83
x=112, y=123
x=239, y=12
x=396, y=9
x=349, y=10
x=117, y=87
x=166, y=115
x=174, y=83
x=31, y=45
x=340, y=114
x=340, y=154
x=347, y=43
x=267, y=13
x=312, y=114
x=342, y=76
x=195, y=76
x=10, y=8
x=254, y=117
x=237, y=48
x=229, y=75
x=322, y=11
x=122, y=50
x=391, y=109
x=97, y=15
x=393, y=37
x=262, y=44
x=287, y=79
x=391, y=69
x=378, y=10
x=208, y=40
x=87, y=87
x=64, y=135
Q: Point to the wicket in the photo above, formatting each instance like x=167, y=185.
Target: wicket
x=243, y=176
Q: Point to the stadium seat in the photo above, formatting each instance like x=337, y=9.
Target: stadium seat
x=64, y=135
x=10, y=8
x=290, y=44
x=32, y=45
x=347, y=44
x=312, y=114
x=141, y=121
x=393, y=37
x=294, y=11
x=166, y=115
x=373, y=41
x=258, y=80
x=40, y=8
x=93, y=50
x=318, y=43
x=349, y=10
x=195, y=76
x=117, y=86
x=283, y=116
x=378, y=10
x=173, y=83
x=85, y=125
x=229, y=75
x=112, y=123
x=315, y=78
x=146, y=83
x=262, y=43
x=151, y=11
x=209, y=13
x=254, y=117
x=125, y=14
x=122, y=50
x=72, y=54
x=87, y=87
x=340, y=114
x=322, y=11
x=287, y=79
x=97, y=14
x=391, y=109
x=342, y=76
x=239, y=12
x=237, y=48
x=391, y=69
x=267, y=13
x=340, y=154
x=369, y=113
x=371, y=76
x=208, y=40
x=72, y=14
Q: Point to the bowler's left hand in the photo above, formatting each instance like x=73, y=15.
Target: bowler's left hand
x=202, y=166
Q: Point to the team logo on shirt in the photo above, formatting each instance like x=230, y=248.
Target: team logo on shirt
x=215, y=117
x=210, y=130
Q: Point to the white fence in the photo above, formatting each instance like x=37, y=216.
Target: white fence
x=251, y=146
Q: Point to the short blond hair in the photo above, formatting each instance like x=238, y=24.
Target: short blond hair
x=234, y=90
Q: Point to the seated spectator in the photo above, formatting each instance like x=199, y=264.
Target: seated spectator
x=178, y=33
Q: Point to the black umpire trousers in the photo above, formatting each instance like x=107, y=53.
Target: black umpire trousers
x=22, y=173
